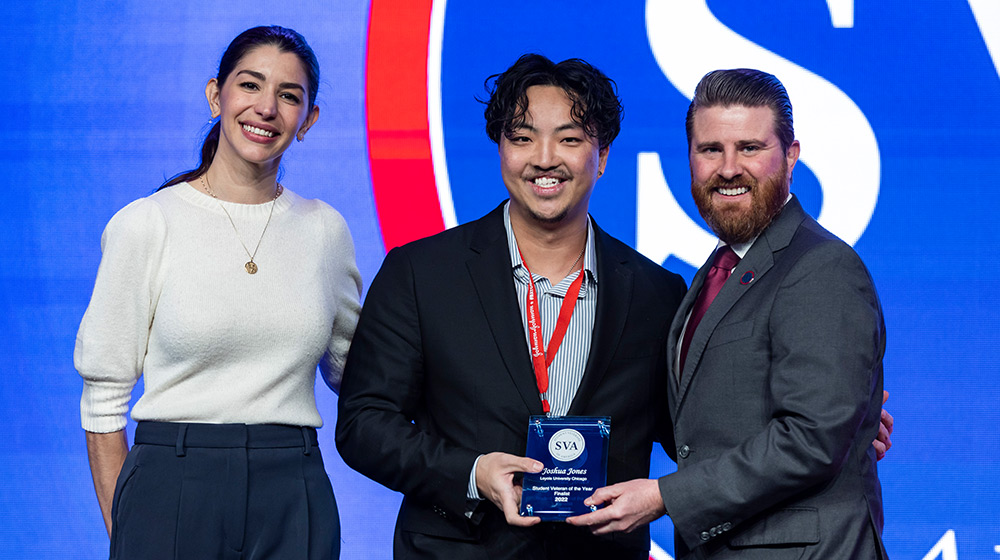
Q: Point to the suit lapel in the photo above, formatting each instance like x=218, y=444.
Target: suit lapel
x=491, y=274
x=614, y=294
x=757, y=262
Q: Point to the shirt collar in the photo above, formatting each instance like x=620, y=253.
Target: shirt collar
x=741, y=249
x=589, y=255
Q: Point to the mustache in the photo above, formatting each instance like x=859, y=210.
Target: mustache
x=560, y=175
x=716, y=182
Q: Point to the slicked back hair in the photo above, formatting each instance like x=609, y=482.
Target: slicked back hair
x=596, y=106
x=744, y=87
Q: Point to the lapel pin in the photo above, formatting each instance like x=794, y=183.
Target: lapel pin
x=746, y=278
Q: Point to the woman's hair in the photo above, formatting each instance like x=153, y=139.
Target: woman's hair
x=286, y=40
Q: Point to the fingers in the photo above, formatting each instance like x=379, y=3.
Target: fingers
x=887, y=421
x=504, y=463
x=882, y=442
x=631, y=504
x=510, y=504
x=880, y=449
x=596, y=520
x=524, y=464
x=884, y=431
x=517, y=520
x=603, y=495
x=495, y=480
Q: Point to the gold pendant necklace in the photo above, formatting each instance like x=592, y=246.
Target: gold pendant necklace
x=250, y=265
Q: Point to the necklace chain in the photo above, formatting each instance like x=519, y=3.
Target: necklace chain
x=250, y=265
x=580, y=256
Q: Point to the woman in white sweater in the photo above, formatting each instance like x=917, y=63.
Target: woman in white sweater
x=224, y=291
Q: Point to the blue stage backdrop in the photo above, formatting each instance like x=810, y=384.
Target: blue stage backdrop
x=897, y=106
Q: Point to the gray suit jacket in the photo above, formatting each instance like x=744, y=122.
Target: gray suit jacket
x=778, y=404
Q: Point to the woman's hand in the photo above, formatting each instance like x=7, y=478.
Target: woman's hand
x=106, y=453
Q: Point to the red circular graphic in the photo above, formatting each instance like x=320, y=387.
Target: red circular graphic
x=399, y=148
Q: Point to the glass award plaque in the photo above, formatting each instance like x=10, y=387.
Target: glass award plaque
x=574, y=452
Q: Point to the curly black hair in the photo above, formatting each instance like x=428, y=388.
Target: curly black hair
x=596, y=105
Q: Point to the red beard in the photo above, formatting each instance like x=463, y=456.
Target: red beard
x=732, y=223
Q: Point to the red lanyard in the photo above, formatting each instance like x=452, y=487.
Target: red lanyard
x=541, y=360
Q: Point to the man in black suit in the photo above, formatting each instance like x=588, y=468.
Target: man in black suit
x=776, y=377
x=440, y=381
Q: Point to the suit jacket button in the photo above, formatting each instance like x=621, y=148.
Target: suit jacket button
x=705, y=536
x=727, y=526
x=683, y=451
x=714, y=531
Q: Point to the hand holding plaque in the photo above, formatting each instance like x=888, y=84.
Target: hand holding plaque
x=498, y=478
x=574, y=452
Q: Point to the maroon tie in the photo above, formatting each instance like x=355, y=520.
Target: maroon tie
x=722, y=267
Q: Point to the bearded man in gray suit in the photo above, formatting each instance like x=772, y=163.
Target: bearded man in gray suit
x=776, y=376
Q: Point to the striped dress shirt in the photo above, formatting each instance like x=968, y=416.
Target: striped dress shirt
x=566, y=370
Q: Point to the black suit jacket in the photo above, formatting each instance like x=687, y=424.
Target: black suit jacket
x=778, y=404
x=439, y=372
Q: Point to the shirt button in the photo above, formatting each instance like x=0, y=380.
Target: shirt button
x=683, y=451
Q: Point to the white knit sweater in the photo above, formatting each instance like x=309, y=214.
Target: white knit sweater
x=173, y=302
